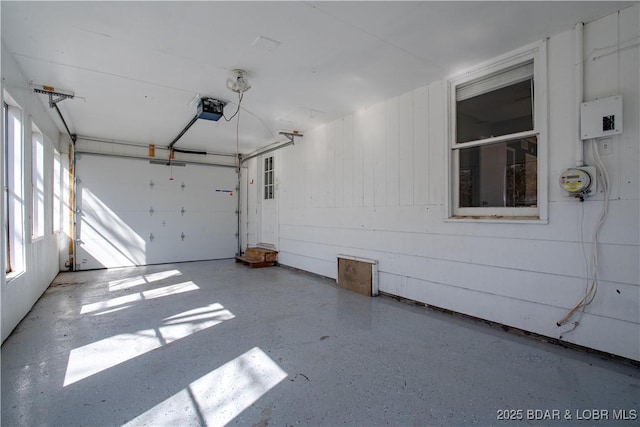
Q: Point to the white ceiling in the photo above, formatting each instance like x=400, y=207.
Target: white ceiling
x=136, y=67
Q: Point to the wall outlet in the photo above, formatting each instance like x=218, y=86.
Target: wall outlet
x=605, y=147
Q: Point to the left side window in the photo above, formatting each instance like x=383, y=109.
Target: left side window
x=37, y=182
x=13, y=185
x=5, y=195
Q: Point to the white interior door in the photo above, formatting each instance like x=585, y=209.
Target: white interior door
x=132, y=212
x=269, y=199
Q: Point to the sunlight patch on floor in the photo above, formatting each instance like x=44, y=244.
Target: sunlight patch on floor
x=139, y=296
x=130, y=282
x=101, y=355
x=219, y=396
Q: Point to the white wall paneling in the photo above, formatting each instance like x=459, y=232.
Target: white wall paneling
x=387, y=175
x=132, y=213
x=391, y=153
x=372, y=183
x=419, y=110
x=21, y=289
x=405, y=150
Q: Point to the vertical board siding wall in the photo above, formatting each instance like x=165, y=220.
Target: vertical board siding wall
x=41, y=254
x=372, y=184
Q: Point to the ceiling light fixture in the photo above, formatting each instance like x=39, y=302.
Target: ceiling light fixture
x=238, y=81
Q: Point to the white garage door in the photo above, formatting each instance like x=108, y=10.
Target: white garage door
x=132, y=212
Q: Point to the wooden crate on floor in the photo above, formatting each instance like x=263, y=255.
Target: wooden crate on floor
x=258, y=257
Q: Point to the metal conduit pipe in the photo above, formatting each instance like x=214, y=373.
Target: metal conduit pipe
x=578, y=56
x=265, y=151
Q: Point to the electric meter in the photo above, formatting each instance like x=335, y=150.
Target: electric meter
x=575, y=181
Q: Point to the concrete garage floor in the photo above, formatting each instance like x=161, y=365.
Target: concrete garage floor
x=218, y=343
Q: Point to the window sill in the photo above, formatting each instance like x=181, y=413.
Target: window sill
x=497, y=219
x=13, y=275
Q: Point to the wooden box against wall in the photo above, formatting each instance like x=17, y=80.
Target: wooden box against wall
x=358, y=275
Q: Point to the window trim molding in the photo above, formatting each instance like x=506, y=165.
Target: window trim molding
x=538, y=53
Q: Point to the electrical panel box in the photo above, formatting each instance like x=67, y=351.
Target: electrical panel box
x=210, y=109
x=602, y=117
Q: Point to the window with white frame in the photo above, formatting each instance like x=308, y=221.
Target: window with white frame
x=37, y=182
x=497, y=133
x=268, y=178
x=14, y=188
x=5, y=147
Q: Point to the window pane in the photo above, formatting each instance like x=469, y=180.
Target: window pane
x=15, y=188
x=504, y=174
x=5, y=225
x=57, y=193
x=268, y=178
x=37, y=179
x=496, y=113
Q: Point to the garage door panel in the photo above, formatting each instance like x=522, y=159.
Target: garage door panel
x=165, y=197
x=162, y=250
x=214, y=242
x=124, y=224
x=126, y=221
x=101, y=169
x=204, y=223
x=102, y=196
x=221, y=201
x=106, y=242
x=208, y=202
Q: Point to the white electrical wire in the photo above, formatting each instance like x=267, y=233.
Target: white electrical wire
x=590, y=291
x=584, y=253
x=240, y=95
x=592, y=276
x=586, y=276
x=603, y=212
x=238, y=133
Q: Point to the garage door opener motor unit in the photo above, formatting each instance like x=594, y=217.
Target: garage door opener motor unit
x=210, y=109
